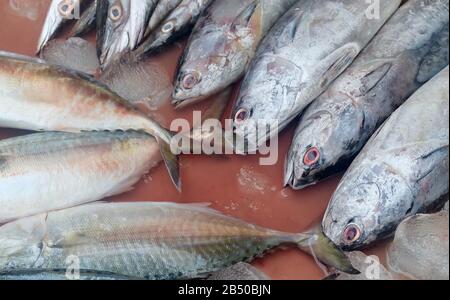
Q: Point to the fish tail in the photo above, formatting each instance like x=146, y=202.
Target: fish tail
x=324, y=251
x=171, y=159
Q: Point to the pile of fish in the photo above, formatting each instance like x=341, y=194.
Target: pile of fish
x=368, y=87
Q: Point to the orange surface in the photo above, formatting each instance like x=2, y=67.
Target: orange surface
x=222, y=181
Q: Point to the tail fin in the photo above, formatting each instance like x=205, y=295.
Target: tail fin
x=324, y=250
x=171, y=160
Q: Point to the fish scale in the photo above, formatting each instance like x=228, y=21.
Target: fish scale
x=145, y=240
x=202, y=242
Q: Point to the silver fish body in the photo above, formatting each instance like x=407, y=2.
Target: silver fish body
x=403, y=170
x=222, y=45
x=311, y=45
x=162, y=10
x=59, y=13
x=40, y=97
x=407, y=52
x=54, y=170
x=58, y=275
x=122, y=26
x=144, y=240
x=177, y=23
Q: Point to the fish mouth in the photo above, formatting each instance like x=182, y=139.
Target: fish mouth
x=303, y=183
x=151, y=46
x=180, y=100
x=179, y=104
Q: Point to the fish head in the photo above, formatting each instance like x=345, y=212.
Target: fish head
x=217, y=54
x=326, y=139
x=124, y=23
x=209, y=65
x=265, y=102
x=367, y=207
x=58, y=13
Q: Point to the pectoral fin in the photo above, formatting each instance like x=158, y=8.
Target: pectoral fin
x=247, y=16
x=337, y=62
x=373, y=78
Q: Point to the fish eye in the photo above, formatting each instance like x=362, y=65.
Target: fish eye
x=168, y=27
x=241, y=116
x=65, y=8
x=312, y=156
x=115, y=13
x=190, y=80
x=352, y=233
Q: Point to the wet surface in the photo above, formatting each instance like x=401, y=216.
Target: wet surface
x=237, y=186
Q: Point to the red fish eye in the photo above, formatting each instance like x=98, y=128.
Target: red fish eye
x=312, y=156
x=190, y=80
x=241, y=116
x=352, y=233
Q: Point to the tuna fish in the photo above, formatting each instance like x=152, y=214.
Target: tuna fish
x=59, y=13
x=403, y=170
x=121, y=26
x=177, y=23
x=311, y=45
x=162, y=10
x=222, y=45
x=408, y=51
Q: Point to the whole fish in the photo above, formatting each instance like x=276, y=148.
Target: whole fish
x=87, y=20
x=121, y=27
x=40, y=97
x=54, y=170
x=408, y=51
x=222, y=45
x=403, y=170
x=162, y=10
x=147, y=240
x=59, y=13
x=177, y=23
x=311, y=45
x=60, y=275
